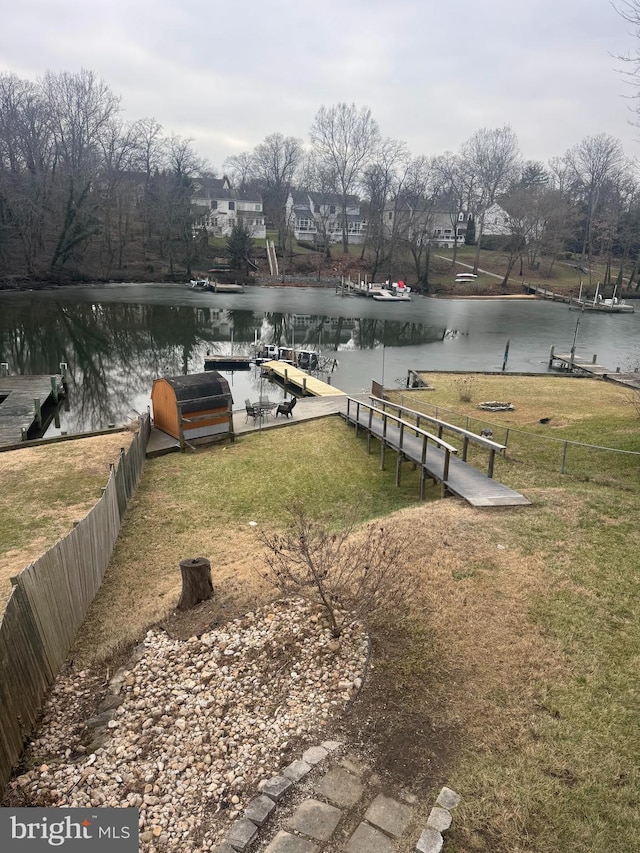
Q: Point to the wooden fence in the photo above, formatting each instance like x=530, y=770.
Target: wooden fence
x=49, y=601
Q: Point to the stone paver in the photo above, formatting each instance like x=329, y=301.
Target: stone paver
x=439, y=819
x=276, y=787
x=259, y=808
x=341, y=788
x=315, y=819
x=430, y=841
x=368, y=839
x=297, y=770
x=353, y=765
x=448, y=799
x=284, y=842
x=241, y=834
x=389, y=815
x=314, y=755
x=331, y=745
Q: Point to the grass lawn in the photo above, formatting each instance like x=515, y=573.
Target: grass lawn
x=513, y=678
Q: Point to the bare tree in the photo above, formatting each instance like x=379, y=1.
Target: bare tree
x=352, y=574
x=591, y=164
x=415, y=210
x=239, y=168
x=81, y=106
x=492, y=156
x=457, y=187
x=275, y=165
x=382, y=183
x=344, y=139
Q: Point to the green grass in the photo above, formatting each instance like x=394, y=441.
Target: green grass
x=261, y=476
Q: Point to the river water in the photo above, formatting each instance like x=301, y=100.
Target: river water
x=116, y=339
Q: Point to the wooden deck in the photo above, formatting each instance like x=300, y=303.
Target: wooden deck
x=18, y=416
x=457, y=477
x=296, y=378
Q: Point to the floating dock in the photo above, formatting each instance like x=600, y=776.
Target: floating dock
x=291, y=376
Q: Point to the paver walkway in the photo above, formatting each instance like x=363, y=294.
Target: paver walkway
x=331, y=801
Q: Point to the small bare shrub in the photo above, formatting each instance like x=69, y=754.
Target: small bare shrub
x=351, y=573
x=467, y=386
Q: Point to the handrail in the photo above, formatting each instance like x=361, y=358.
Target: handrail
x=467, y=435
x=426, y=436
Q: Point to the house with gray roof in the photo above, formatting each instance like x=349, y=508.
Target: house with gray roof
x=218, y=206
x=317, y=217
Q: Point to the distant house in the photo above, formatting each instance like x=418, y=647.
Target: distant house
x=496, y=221
x=218, y=207
x=318, y=217
x=441, y=221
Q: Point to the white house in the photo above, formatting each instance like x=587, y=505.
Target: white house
x=496, y=221
x=218, y=207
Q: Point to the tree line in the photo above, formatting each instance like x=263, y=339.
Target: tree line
x=83, y=192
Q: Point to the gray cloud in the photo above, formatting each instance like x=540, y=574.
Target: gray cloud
x=228, y=73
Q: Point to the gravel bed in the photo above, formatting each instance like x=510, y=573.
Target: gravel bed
x=190, y=728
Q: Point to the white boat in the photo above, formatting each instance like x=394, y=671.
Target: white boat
x=199, y=283
x=390, y=296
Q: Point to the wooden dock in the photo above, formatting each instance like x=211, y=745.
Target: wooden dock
x=28, y=404
x=437, y=458
x=574, y=364
x=292, y=376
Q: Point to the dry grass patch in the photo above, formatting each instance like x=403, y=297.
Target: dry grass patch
x=44, y=490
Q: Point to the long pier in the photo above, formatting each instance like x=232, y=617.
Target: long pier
x=28, y=404
x=437, y=458
x=290, y=375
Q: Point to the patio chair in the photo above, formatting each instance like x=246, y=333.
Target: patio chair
x=285, y=408
x=252, y=412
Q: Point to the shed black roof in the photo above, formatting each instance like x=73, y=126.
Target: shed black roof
x=198, y=385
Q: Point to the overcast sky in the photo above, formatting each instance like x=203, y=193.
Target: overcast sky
x=226, y=73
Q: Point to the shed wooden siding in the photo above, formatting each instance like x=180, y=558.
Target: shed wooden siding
x=165, y=409
x=216, y=424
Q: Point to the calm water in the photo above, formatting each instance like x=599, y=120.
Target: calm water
x=116, y=339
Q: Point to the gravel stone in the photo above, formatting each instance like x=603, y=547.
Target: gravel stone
x=199, y=723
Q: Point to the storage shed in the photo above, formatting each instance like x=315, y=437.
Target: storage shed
x=196, y=408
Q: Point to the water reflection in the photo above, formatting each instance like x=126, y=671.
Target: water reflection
x=115, y=350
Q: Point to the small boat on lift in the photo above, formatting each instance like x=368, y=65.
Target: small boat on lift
x=604, y=306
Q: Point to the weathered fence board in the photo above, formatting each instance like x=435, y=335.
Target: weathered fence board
x=49, y=601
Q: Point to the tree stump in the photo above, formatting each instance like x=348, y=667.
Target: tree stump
x=196, y=582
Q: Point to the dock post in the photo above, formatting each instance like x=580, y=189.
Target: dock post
x=492, y=456
x=304, y=385
x=38, y=408
x=54, y=388
x=4, y=368
x=24, y=435
x=594, y=359
x=551, y=351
